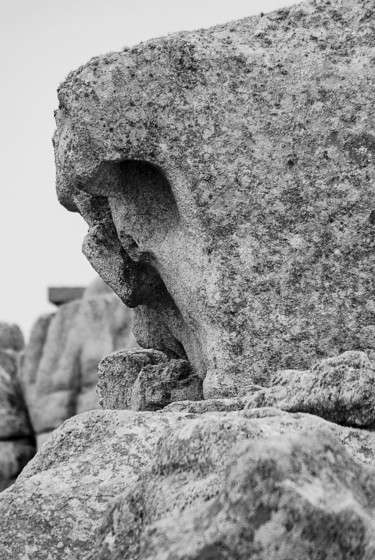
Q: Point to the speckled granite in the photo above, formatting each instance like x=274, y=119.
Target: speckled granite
x=227, y=176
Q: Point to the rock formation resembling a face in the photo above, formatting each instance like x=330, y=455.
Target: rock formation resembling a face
x=226, y=178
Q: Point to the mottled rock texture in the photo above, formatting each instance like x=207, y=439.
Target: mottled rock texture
x=120, y=484
x=296, y=496
x=59, y=371
x=339, y=389
x=84, y=465
x=227, y=177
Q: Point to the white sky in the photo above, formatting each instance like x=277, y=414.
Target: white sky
x=40, y=42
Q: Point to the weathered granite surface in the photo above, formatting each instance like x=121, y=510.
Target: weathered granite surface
x=296, y=496
x=120, y=484
x=59, y=371
x=339, y=389
x=227, y=177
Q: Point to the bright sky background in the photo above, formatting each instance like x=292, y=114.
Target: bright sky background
x=40, y=42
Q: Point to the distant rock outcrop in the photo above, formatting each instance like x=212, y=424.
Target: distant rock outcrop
x=59, y=371
x=17, y=442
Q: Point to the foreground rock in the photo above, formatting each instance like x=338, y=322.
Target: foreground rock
x=295, y=496
x=339, y=389
x=59, y=368
x=17, y=444
x=227, y=179
x=119, y=484
x=85, y=464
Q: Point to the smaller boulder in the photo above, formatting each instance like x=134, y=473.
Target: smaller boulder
x=159, y=385
x=118, y=372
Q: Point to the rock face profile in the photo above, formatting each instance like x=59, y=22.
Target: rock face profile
x=59, y=367
x=227, y=178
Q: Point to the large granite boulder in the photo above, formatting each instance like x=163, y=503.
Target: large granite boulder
x=227, y=179
x=298, y=496
x=59, y=371
x=121, y=484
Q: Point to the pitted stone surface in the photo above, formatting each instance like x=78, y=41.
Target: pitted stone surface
x=339, y=389
x=299, y=495
x=227, y=177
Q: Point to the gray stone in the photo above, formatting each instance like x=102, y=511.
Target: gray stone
x=9, y=361
x=99, y=469
x=226, y=176
x=14, y=420
x=339, y=389
x=14, y=455
x=17, y=443
x=118, y=372
x=209, y=405
x=61, y=496
x=159, y=385
x=60, y=295
x=11, y=337
x=293, y=496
